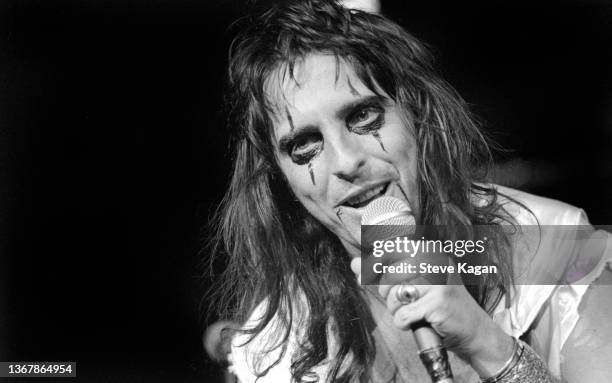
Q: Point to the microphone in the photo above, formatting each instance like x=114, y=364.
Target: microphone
x=395, y=219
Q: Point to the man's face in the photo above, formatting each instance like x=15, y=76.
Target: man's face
x=340, y=146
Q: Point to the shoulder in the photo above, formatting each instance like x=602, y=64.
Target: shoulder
x=555, y=240
x=255, y=354
x=267, y=355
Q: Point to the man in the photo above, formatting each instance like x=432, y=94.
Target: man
x=335, y=108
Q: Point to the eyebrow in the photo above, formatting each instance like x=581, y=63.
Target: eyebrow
x=348, y=108
x=345, y=110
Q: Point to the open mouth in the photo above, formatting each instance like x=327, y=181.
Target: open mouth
x=366, y=197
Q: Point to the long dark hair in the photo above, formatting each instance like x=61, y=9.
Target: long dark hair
x=280, y=255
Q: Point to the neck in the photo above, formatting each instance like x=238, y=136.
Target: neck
x=352, y=250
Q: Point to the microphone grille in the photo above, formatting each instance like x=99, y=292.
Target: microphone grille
x=388, y=211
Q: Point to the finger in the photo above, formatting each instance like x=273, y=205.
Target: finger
x=405, y=315
x=217, y=339
x=384, y=288
x=433, y=308
x=393, y=301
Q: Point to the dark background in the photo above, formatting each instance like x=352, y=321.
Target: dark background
x=113, y=153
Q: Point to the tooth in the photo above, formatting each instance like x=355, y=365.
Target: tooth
x=365, y=196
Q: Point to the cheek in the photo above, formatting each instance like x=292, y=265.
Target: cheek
x=401, y=147
x=312, y=196
x=304, y=180
x=403, y=154
x=398, y=136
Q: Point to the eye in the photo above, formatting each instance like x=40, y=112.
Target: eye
x=366, y=119
x=305, y=147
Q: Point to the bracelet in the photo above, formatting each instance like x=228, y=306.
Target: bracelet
x=530, y=369
x=517, y=351
x=525, y=366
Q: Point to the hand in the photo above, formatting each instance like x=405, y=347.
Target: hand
x=464, y=326
x=217, y=340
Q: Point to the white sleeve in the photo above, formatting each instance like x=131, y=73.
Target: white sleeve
x=579, y=254
x=250, y=358
x=264, y=355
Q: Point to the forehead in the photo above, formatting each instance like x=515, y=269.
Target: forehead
x=317, y=83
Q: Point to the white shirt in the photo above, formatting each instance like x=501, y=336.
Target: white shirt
x=553, y=304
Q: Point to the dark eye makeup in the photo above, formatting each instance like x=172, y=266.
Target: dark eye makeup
x=365, y=117
x=304, y=147
x=366, y=120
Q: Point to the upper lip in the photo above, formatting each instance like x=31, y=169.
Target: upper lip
x=362, y=189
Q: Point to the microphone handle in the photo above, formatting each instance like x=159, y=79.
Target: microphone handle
x=432, y=353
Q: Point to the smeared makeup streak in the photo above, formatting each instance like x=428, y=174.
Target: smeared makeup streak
x=405, y=196
x=338, y=214
x=312, y=177
x=290, y=119
x=351, y=87
x=379, y=139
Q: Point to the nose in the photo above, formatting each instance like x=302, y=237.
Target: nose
x=349, y=157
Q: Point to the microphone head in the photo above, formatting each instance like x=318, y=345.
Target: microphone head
x=387, y=211
x=392, y=214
